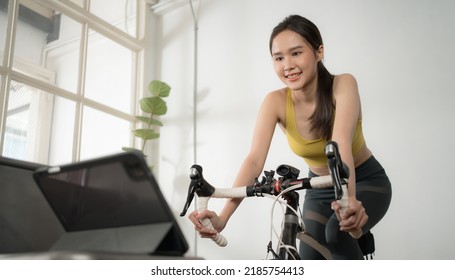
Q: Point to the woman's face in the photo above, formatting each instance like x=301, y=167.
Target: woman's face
x=295, y=61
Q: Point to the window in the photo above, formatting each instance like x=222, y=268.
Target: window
x=70, y=77
x=27, y=115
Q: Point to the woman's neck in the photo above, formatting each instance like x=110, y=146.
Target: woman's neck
x=307, y=95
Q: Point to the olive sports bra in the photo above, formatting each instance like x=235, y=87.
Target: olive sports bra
x=312, y=151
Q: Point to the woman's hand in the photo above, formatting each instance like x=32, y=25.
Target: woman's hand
x=204, y=232
x=353, y=218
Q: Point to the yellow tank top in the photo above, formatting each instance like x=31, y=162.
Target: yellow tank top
x=312, y=151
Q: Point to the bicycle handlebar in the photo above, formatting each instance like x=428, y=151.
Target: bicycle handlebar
x=339, y=173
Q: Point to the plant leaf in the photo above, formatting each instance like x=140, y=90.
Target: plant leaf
x=149, y=121
x=159, y=88
x=146, y=134
x=154, y=105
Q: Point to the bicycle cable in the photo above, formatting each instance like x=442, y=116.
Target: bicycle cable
x=279, y=198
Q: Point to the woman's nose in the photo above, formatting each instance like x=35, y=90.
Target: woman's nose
x=288, y=68
x=288, y=65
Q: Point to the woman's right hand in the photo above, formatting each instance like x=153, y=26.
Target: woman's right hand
x=218, y=225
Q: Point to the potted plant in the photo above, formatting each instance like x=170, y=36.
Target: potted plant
x=152, y=107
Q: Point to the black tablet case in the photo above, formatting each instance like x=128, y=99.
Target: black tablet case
x=27, y=223
x=111, y=204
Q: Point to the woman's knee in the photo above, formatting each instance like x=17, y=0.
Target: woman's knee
x=333, y=235
x=340, y=243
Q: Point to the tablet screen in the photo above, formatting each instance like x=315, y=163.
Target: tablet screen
x=113, y=191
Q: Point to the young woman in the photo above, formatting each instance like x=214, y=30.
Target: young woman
x=314, y=107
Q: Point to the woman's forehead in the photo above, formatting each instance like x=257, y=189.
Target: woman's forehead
x=286, y=40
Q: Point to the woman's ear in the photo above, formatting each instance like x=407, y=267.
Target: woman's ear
x=320, y=53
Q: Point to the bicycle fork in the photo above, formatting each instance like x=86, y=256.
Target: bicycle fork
x=288, y=246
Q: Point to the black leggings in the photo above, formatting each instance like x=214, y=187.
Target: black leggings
x=373, y=189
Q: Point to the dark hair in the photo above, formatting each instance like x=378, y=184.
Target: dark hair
x=321, y=119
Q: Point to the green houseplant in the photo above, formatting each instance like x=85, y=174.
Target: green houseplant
x=152, y=107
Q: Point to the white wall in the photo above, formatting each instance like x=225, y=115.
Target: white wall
x=402, y=55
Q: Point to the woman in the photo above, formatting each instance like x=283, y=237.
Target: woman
x=314, y=107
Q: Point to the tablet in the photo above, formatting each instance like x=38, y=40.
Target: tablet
x=27, y=223
x=111, y=204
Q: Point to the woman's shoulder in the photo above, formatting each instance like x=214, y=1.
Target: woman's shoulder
x=344, y=83
x=274, y=104
x=345, y=78
x=278, y=95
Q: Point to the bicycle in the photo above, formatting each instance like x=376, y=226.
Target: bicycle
x=285, y=187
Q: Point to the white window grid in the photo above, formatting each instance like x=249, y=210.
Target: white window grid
x=38, y=78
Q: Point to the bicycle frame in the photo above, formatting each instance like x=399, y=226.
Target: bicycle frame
x=286, y=186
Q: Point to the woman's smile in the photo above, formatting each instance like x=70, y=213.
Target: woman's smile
x=292, y=77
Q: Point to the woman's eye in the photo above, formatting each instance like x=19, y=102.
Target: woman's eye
x=296, y=53
x=278, y=58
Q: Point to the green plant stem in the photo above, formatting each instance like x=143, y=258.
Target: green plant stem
x=145, y=140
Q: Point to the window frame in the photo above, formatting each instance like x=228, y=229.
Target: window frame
x=89, y=21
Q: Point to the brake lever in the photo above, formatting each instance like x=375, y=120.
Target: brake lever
x=204, y=191
x=189, y=197
x=340, y=174
x=337, y=168
x=198, y=186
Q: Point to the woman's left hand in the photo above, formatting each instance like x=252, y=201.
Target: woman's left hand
x=353, y=218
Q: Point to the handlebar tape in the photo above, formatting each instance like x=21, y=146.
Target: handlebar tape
x=201, y=206
x=320, y=182
x=344, y=205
